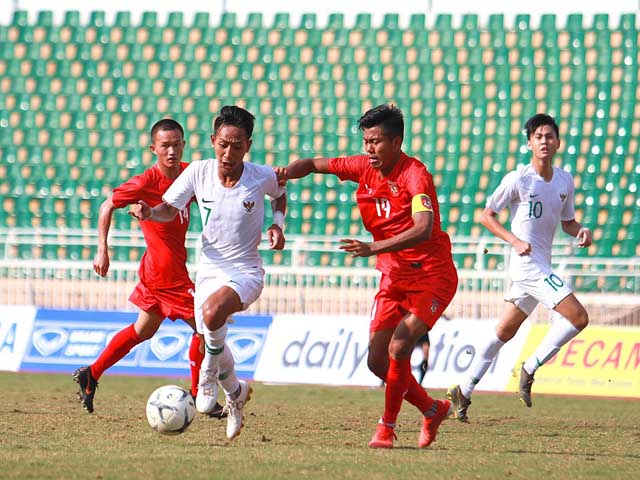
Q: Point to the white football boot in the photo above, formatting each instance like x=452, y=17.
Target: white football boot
x=207, y=391
x=235, y=407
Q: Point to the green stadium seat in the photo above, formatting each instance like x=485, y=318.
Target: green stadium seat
x=362, y=21
x=44, y=18
x=20, y=18
x=97, y=19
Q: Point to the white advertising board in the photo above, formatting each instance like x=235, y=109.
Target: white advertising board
x=16, y=323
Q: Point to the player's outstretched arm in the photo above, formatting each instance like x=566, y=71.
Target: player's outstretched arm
x=101, y=260
x=163, y=212
x=575, y=229
x=305, y=166
x=490, y=222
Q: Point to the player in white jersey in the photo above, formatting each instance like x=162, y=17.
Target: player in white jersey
x=230, y=195
x=539, y=197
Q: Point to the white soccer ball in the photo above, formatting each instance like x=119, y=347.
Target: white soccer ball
x=170, y=410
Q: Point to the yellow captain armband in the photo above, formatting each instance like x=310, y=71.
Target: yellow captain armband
x=421, y=203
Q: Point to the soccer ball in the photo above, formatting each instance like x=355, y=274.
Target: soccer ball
x=170, y=410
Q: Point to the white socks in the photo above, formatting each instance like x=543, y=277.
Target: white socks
x=481, y=364
x=560, y=332
x=227, y=377
x=213, y=348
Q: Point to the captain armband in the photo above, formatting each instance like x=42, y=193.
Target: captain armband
x=421, y=203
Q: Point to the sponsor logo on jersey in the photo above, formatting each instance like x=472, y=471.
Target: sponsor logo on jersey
x=248, y=206
x=563, y=196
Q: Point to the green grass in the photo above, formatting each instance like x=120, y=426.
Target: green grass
x=307, y=432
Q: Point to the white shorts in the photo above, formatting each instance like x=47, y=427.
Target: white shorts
x=248, y=286
x=548, y=290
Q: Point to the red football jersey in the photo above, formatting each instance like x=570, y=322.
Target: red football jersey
x=163, y=265
x=385, y=208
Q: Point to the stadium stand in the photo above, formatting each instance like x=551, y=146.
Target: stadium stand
x=77, y=100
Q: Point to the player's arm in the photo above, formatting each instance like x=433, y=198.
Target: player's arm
x=275, y=233
x=575, y=229
x=101, y=260
x=163, y=212
x=422, y=216
x=301, y=168
x=490, y=221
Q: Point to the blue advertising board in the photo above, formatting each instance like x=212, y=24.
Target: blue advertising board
x=62, y=340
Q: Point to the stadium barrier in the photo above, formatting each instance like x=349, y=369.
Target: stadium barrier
x=311, y=276
x=321, y=349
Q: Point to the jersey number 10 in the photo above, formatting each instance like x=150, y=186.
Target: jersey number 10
x=535, y=209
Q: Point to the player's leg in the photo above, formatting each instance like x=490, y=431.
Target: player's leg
x=424, y=364
x=519, y=306
x=378, y=356
x=196, y=355
x=120, y=345
x=215, y=310
x=572, y=319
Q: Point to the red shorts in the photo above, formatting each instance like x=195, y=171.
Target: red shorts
x=426, y=297
x=172, y=303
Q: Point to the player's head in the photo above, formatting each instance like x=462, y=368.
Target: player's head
x=233, y=116
x=383, y=130
x=231, y=139
x=539, y=120
x=167, y=142
x=543, y=136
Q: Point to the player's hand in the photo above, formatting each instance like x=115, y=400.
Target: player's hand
x=522, y=248
x=356, y=248
x=275, y=237
x=141, y=210
x=585, y=237
x=101, y=263
x=281, y=175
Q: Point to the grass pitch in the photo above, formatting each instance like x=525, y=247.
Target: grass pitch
x=307, y=432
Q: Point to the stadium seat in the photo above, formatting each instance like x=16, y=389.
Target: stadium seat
x=77, y=94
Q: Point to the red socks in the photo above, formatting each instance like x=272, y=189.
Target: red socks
x=401, y=384
x=116, y=350
x=195, y=361
x=397, y=386
x=416, y=395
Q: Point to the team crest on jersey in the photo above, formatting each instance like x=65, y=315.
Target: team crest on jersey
x=248, y=206
x=434, y=305
x=393, y=187
x=563, y=196
x=426, y=201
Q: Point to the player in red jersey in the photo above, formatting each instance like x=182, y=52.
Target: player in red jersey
x=399, y=207
x=165, y=288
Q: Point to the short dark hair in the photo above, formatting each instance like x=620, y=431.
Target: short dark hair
x=234, y=116
x=538, y=120
x=165, y=124
x=387, y=117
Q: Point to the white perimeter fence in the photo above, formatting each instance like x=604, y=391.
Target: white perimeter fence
x=311, y=276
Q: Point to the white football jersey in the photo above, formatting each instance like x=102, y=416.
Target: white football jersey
x=536, y=208
x=232, y=218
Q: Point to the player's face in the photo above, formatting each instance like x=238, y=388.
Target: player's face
x=544, y=143
x=231, y=145
x=383, y=151
x=168, y=145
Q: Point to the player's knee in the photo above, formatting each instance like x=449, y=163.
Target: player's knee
x=581, y=320
x=213, y=316
x=400, y=349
